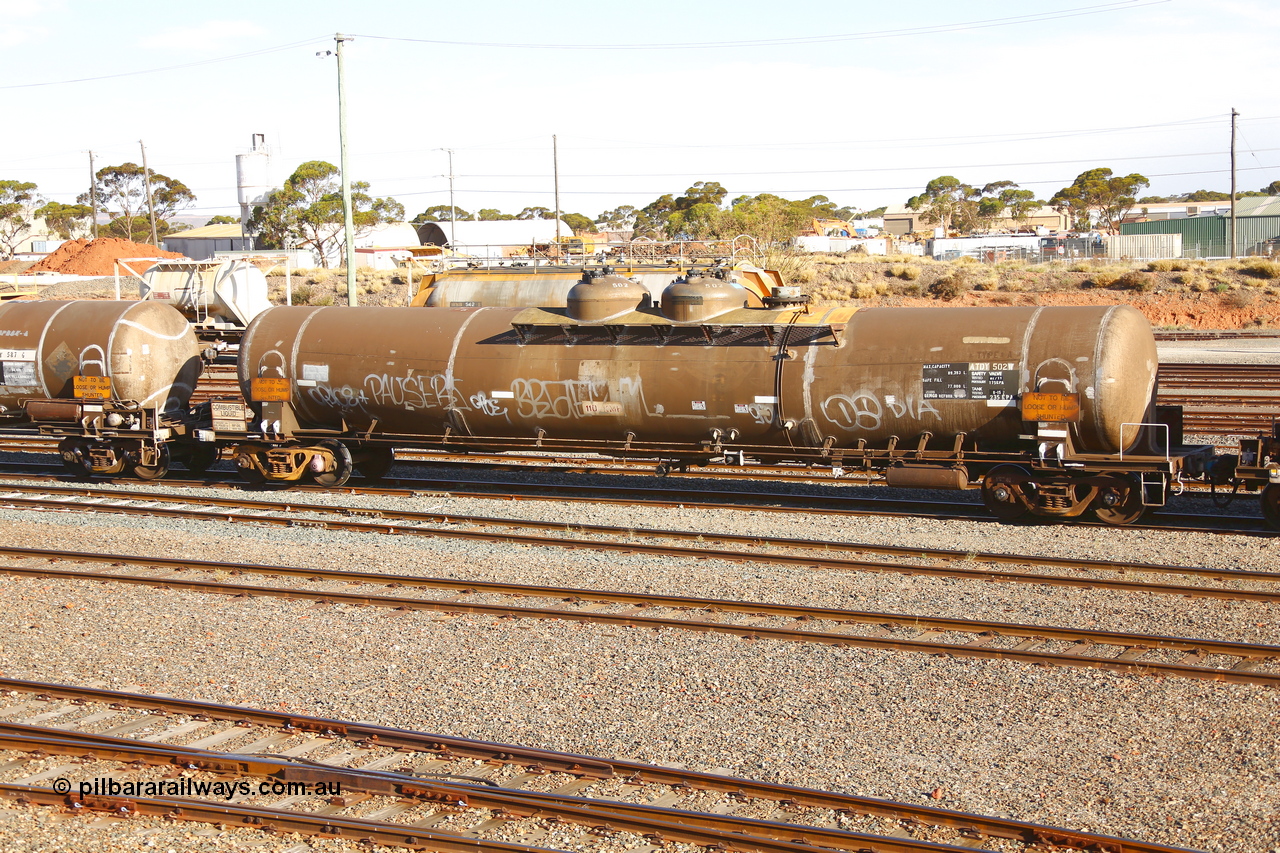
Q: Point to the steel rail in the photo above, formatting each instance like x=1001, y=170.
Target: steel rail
x=267, y=820
x=629, y=771
x=900, y=508
x=657, y=823
x=1132, y=646
x=822, y=548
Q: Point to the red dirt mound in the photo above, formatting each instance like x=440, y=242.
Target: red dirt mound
x=97, y=257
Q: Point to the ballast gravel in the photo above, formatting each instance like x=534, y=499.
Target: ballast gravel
x=1188, y=763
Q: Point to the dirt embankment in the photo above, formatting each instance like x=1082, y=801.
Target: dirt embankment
x=1172, y=294
x=1200, y=295
x=98, y=257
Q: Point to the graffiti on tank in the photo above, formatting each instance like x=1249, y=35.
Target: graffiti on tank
x=413, y=391
x=761, y=413
x=343, y=398
x=865, y=410
x=539, y=398
x=487, y=405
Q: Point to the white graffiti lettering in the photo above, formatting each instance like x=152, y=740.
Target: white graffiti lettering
x=344, y=398
x=867, y=411
x=487, y=405
x=413, y=392
x=537, y=398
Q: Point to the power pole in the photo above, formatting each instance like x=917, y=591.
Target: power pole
x=453, y=210
x=93, y=194
x=1234, y=114
x=151, y=208
x=348, y=224
x=555, y=167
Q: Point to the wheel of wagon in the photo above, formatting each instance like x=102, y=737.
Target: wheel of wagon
x=342, y=467
x=200, y=457
x=376, y=462
x=1002, y=492
x=75, y=456
x=155, y=470
x=1119, y=501
x=248, y=471
x=1271, y=505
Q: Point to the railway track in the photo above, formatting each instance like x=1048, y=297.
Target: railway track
x=1213, y=334
x=662, y=496
x=834, y=555
x=1254, y=377
x=410, y=787
x=1242, y=663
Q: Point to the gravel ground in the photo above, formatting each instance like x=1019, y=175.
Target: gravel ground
x=47, y=830
x=1182, y=762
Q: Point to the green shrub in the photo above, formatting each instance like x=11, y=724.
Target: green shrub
x=302, y=294
x=1135, y=280
x=950, y=286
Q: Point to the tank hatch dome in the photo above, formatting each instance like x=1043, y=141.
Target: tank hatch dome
x=700, y=296
x=601, y=296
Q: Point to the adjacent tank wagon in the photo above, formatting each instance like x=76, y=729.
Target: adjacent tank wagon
x=111, y=379
x=1048, y=410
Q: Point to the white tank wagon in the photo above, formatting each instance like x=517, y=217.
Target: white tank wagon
x=218, y=298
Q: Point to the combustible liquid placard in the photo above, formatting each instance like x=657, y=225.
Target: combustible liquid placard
x=91, y=387
x=1050, y=408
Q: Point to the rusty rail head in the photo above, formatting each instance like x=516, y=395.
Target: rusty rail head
x=709, y=831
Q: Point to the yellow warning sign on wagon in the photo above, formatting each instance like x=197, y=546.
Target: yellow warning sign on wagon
x=1050, y=408
x=266, y=389
x=91, y=387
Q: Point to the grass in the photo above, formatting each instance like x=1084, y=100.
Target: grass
x=1263, y=268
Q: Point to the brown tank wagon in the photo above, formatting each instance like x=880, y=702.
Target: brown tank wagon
x=113, y=379
x=145, y=350
x=1047, y=410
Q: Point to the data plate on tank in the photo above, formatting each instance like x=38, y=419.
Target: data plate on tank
x=18, y=373
x=1050, y=408
x=970, y=380
x=265, y=389
x=599, y=407
x=91, y=387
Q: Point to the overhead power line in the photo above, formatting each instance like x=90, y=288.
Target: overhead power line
x=231, y=58
x=817, y=191
x=874, y=169
x=987, y=23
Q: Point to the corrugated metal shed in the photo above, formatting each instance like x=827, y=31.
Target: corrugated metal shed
x=200, y=243
x=1259, y=205
x=1206, y=236
x=210, y=232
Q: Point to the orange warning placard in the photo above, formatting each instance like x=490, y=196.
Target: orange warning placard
x=91, y=387
x=1050, y=408
x=266, y=389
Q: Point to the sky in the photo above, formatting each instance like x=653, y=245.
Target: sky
x=862, y=103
